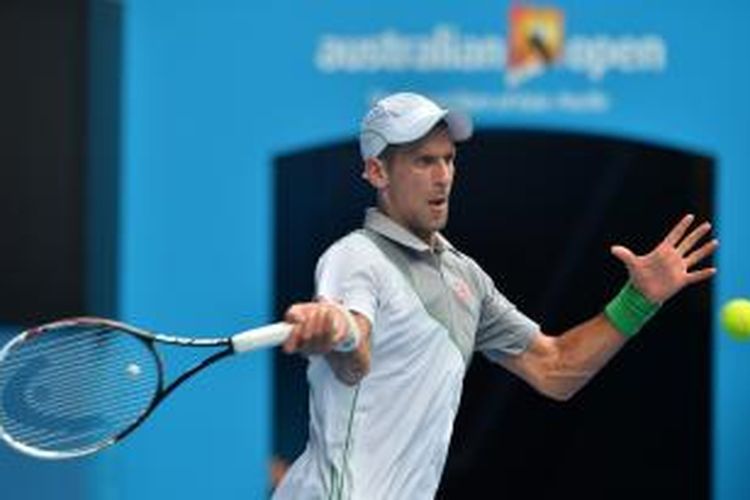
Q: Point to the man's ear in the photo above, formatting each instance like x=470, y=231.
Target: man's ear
x=375, y=173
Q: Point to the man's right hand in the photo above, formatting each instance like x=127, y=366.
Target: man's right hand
x=319, y=327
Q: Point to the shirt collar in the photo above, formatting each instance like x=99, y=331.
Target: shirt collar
x=377, y=221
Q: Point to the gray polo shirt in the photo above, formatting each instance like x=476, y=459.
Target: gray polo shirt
x=430, y=309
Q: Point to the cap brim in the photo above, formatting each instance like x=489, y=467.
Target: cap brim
x=460, y=125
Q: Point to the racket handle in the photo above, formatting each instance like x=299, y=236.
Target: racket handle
x=265, y=336
x=277, y=333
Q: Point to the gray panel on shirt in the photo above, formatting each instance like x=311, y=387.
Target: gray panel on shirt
x=458, y=295
x=430, y=278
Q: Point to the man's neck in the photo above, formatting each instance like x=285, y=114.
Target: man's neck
x=430, y=238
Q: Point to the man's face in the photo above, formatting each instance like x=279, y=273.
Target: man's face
x=419, y=180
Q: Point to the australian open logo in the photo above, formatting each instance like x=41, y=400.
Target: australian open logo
x=537, y=42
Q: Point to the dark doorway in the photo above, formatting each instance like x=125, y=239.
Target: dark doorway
x=539, y=211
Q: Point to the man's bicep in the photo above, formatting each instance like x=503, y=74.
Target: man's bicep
x=502, y=328
x=533, y=362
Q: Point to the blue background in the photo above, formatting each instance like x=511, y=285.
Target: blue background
x=213, y=91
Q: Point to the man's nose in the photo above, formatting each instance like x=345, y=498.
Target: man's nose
x=443, y=171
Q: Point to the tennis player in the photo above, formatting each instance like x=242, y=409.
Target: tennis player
x=381, y=416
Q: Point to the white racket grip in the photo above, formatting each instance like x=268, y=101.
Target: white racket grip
x=265, y=336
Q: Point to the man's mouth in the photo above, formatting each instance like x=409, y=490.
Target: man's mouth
x=438, y=202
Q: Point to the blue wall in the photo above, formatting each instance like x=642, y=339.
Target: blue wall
x=213, y=93
x=194, y=258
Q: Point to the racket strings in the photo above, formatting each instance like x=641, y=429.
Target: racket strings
x=60, y=402
x=54, y=346
x=44, y=438
x=75, y=388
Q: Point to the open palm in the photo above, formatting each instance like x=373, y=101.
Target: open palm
x=665, y=270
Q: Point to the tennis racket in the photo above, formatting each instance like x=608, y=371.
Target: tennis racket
x=77, y=386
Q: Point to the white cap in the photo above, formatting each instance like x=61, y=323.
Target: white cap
x=406, y=117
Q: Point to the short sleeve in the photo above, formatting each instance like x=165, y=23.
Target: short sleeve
x=502, y=329
x=344, y=274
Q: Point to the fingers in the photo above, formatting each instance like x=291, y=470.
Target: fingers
x=677, y=232
x=625, y=255
x=691, y=239
x=338, y=326
x=701, y=275
x=317, y=327
x=701, y=253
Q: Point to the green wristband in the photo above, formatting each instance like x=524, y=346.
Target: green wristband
x=630, y=310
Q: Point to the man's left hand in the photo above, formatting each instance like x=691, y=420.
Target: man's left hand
x=668, y=268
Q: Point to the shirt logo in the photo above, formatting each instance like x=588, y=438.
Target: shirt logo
x=462, y=291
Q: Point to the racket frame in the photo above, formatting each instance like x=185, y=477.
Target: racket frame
x=255, y=338
x=160, y=394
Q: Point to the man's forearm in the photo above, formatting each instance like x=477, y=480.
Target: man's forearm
x=349, y=367
x=560, y=366
x=580, y=353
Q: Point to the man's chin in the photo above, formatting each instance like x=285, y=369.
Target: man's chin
x=439, y=223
